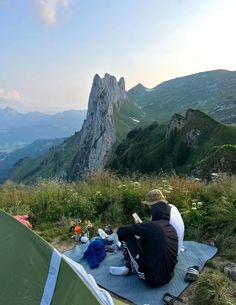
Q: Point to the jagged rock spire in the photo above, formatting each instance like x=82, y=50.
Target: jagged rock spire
x=98, y=134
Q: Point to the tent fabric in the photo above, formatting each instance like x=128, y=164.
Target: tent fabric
x=90, y=281
x=24, y=264
x=52, y=278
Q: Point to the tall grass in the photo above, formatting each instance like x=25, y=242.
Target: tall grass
x=208, y=209
x=213, y=288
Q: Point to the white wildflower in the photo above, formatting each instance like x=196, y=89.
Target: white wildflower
x=167, y=191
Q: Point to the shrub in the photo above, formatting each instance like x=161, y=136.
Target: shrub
x=101, y=203
x=131, y=203
x=213, y=288
x=113, y=215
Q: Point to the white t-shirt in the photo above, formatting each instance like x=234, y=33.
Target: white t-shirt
x=177, y=222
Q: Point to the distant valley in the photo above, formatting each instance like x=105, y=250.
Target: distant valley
x=18, y=129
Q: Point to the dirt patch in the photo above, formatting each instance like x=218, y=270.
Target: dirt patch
x=62, y=245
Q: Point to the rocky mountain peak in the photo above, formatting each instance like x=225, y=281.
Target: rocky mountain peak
x=107, y=90
x=138, y=89
x=190, y=114
x=122, y=83
x=98, y=134
x=176, y=123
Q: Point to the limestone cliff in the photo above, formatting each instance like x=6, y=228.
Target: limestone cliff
x=98, y=134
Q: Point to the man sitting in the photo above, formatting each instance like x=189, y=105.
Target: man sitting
x=153, y=255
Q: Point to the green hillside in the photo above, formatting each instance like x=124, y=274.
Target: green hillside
x=56, y=162
x=221, y=158
x=34, y=150
x=63, y=160
x=213, y=92
x=128, y=117
x=183, y=150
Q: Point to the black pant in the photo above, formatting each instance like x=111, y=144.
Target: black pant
x=135, y=260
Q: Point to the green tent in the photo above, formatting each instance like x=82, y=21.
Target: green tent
x=28, y=271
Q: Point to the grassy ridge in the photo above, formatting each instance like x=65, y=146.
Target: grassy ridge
x=128, y=117
x=184, y=150
x=209, y=210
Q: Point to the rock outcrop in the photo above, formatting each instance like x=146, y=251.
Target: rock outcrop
x=176, y=123
x=98, y=134
x=230, y=271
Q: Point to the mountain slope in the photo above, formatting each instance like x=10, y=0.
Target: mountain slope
x=128, y=117
x=106, y=123
x=34, y=150
x=186, y=144
x=213, y=92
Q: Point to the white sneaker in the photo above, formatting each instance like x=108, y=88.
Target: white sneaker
x=119, y=270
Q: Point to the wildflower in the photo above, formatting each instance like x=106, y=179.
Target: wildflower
x=199, y=203
x=215, y=175
x=194, y=208
x=167, y=191
x=136, y=183
x=98, y=193
x=193, y=203
x=88, y=224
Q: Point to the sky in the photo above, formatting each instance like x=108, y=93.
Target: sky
x=50, y=50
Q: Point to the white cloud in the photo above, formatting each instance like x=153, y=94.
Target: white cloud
x=48, y=9
x=10, y=95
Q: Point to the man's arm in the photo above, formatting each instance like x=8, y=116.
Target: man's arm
x=140, y=229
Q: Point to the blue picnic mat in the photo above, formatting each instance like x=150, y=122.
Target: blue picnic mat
x=131, y=288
